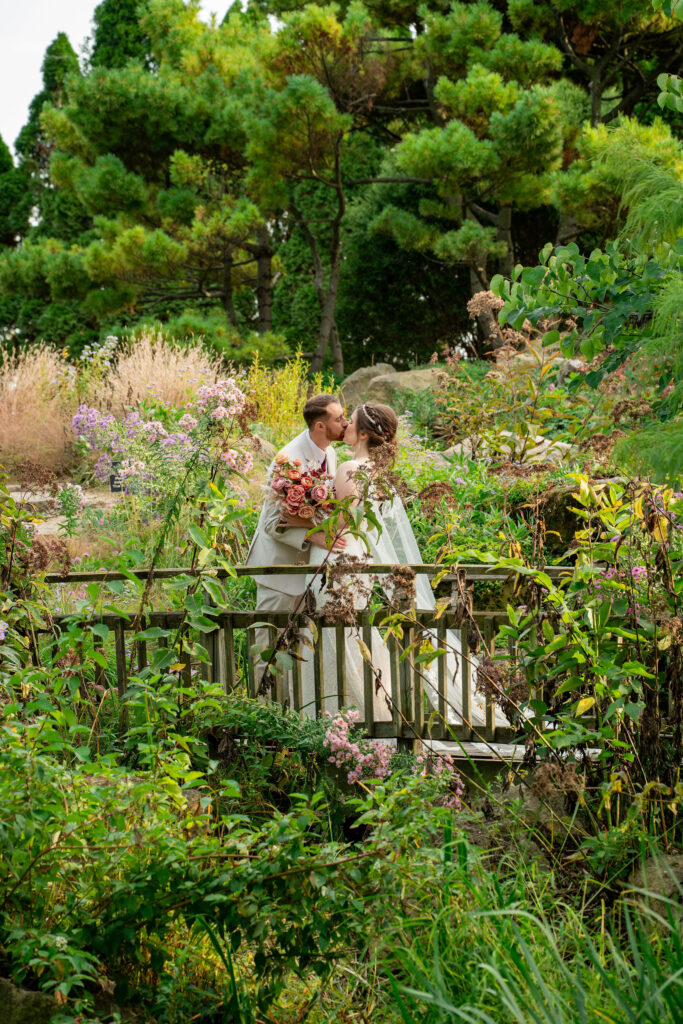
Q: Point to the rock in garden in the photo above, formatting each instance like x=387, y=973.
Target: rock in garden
x=530, y=450
x=389, y=386
x=663, y=877
x=263, y=450
x=19, y=1006
x=354, y=390
x=570, y=366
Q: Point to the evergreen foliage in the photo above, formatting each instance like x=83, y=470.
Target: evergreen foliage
x=328, y=178
x=118, y=38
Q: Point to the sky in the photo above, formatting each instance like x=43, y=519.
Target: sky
x=28, y=28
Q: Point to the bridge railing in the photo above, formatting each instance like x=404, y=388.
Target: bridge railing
x=418, y=710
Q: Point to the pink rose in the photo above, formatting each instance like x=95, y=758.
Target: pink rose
x=320, y=492
x=296, y=496
x=277, y=483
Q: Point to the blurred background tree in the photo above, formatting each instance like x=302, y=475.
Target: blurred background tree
x=339, y=179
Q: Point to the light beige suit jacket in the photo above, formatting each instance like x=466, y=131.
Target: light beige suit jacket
x=274, y=544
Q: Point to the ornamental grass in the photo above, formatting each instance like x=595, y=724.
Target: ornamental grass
x=152, y=368
x=35, y=425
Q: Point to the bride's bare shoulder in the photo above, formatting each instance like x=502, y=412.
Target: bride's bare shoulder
x=344, y=480
x=350, y=466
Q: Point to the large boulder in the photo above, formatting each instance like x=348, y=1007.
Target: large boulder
x=661, y=877
x=20, y=1006
x=262, y=449
x=354, y=390
x=389, y=386
x=531, y=450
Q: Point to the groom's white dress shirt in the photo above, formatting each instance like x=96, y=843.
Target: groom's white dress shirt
x=274, y=544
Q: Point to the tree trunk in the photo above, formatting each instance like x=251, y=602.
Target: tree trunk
x=228, y=304
x=337, y=354
x=596, y=89
x=327, y=297
x=487, y=329
x=504, y=234
x=327, y=318
x=264, y=280
x=567, y=229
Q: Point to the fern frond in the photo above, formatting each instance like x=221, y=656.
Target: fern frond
x=651, y=197
x=655, y=451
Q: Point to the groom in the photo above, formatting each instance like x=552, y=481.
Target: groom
x=277, y=544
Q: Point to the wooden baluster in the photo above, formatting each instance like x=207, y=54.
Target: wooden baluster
x=230, y=674
x=418, y=702
x=395, y=684
x=318, y=674
x=442, y=679
x=340, y=651
x=251, y=675
x=490, y=731
x=368, y=680
x=405, y=696
x=465, y=680
x=142, y=646
x=121, y=667
x=296, y=680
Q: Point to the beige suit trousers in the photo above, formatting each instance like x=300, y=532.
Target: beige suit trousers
x=268, y=600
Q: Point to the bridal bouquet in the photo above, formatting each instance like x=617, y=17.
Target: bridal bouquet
x=305, y=492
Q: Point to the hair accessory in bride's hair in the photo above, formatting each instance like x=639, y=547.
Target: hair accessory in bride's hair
x=371, y=419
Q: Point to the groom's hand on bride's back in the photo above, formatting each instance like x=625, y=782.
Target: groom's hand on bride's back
x=320, y=541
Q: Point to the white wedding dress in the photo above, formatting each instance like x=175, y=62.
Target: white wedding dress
x=394, y=544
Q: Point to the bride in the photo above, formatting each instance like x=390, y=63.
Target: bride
x=371, y=434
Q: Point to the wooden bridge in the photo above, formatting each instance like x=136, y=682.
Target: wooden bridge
x=414, y=717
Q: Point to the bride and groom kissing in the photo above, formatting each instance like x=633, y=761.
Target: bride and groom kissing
x=383, y=536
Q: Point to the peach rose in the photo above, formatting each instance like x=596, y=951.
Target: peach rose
x=296, y=496
x=306, y=512
x=281, y=458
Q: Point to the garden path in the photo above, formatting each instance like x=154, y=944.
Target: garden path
x=42, y=503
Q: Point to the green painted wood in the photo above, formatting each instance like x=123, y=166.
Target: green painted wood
x=120, y=650
x=368, y=678
x=340, y=651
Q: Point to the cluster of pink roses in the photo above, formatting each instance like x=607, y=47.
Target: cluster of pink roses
x=304, y=491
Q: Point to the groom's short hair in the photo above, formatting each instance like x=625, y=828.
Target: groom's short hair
x=316, y=408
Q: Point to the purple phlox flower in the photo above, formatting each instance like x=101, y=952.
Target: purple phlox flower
x=4, y=629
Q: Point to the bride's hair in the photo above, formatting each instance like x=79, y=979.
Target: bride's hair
x=380, y=423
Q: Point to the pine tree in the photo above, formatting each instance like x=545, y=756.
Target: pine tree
x=118, y=38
